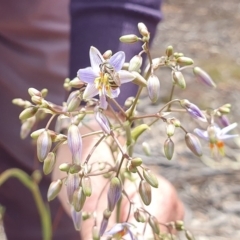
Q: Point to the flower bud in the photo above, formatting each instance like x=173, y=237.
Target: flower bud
x=177, y=55
x=143, y=29
x=184, y=61
x=150, y=178
x=114, y=192
x=153, y=86
x=27, y=127
x=37, y=100
x=179, y=225
x=131, y=38
x=44, y=144
x=224, y=121
x=95, y=233
x=21, y=103
x=189, y=235
x=135, y=63
x=170, y=129
x=86, y=215
x=87, y=186
x=139, y=216
x=28, y=112
x=169, y=51
x=193, y=110
x=76, y=83
x=145, y=192
x=178, y=79
x=49, y=163
x=129, y=101
x=74, y=103
x=104, y=222
x=225, y=109
x=107, y=54
x=193, y=144
x=37, y=133
x=203, y=77
x=132, y=169
x=75, y=143
x=139, y=79
x=175, y=122
x=77, y=218
x=169, y=148
x=74, y=168
x=135, y=162
x=64, y=167
x=72, y=95
x=146, y=148
x=153, y=222
x=44, y=92
x=102, y=121
x=72, y=184
x=54, y=189
x=137, y=131
x=34, y=92
x=78, y=199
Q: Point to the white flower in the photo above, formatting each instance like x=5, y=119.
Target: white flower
x=217, y=135
x=104, y=77
x=122, y=229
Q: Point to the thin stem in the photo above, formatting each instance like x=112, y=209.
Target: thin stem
x=92, y=133
x=130, y=205
x=135, y=101
x=171, y=96
x=146, y=116
x=117, y=105
x=120, y=165
x=118, y=143
x=28, y=182
x=49, y=121
x=93, y=149
x=169, y=103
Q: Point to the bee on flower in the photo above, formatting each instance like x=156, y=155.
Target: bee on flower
x=215, y=136
x=104, y=77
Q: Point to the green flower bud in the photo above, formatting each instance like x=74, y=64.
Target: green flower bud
x=169, y=148
x=21, y=103
x=145, y=192
x=139, y=216
x=143, y=29
x=203, y=77
x=170, y=129
x=34, y=92
x=153, y=222
x=44, y=144
x=44, y=92
x=64, y=167
x=49, y=163
x=184, y=61
x=130, y=38
x=135, y=162
x=225, y=108
x=169, y=51
x=189, y=235
x=87, y=186
x=74, y=168
x=150, y=178
x=137, y=131
x=72, y=184
x=135, y=63
x=104, y=222
x=27, y=127
x=95, y=233
x=146, y=148
x=54, y=189
x=37, y=100
x=153, y=86
x=28, y=112
x=114, y=192
x=175, y=122
x=74, y=104
x=178, y=79
x=86, y=215
x=179, y=225
x=132, y=169
x=78, y=199
x=107, y=54
x=129, y=101
x=193, y=144
x=76, y=83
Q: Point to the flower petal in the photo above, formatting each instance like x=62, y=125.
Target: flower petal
x=116, y=229
x=201, y=133
x=115, y=93
x=103, y=101
x=227, y=136
x=90, y=91
x=117, y=60
x=227, y=129
x=96, y=58
x=87, y=75
x=125, y=76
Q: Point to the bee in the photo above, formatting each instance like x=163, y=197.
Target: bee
x=113, y=76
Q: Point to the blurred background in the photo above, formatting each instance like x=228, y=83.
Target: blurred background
x=208, y=32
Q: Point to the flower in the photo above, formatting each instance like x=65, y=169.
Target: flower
x=104, y=77
x=214, y=135
x=120, y=230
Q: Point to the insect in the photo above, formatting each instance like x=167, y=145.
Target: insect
x=113, y=76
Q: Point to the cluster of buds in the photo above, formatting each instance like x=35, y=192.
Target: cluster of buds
x=105, y=77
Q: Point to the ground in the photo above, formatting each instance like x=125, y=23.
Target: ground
x=208, y=32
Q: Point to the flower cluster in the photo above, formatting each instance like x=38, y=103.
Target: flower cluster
x=104, y=78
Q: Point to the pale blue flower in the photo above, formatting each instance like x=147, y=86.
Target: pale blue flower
x=99, y=81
